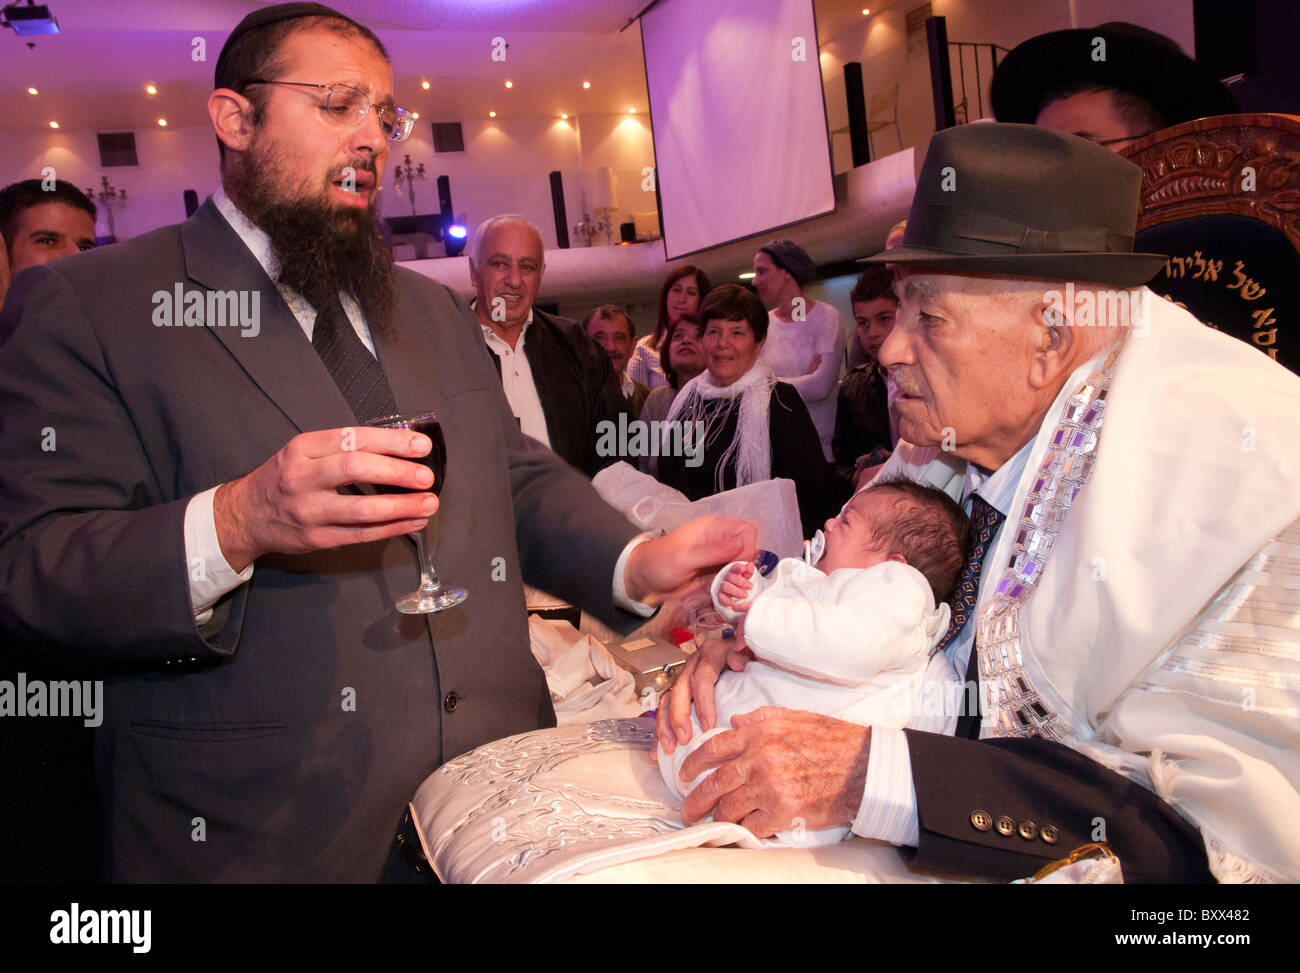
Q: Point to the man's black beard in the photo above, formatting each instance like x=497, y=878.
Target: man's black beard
x=321, y=249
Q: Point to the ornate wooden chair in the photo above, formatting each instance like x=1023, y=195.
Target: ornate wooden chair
x=1221, y=197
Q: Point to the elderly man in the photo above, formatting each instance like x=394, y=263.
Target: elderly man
x=269, y=713
x=1129, y=607
x=559, y=383
x=611, y=328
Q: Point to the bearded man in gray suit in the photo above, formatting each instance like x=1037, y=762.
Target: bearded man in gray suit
x=267, y=712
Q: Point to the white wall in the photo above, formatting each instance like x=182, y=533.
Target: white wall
x=504, y=168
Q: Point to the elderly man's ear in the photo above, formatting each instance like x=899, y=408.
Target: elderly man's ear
x=1056, y=347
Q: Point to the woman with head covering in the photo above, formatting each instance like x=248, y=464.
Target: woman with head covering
x=680, y=294
x=804, y=344
x=745, y=425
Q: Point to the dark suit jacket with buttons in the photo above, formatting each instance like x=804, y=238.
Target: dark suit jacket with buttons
x=282, y=740
x=577, y=388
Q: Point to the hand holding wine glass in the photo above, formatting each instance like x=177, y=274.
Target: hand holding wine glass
x=432, y=595
x=291, y=503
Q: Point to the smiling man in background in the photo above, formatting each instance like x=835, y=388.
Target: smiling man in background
x=559, y=382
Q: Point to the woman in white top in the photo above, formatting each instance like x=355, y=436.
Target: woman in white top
x=680, y=294
x=804, y=343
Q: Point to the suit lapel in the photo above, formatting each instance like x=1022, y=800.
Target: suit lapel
x=279, y=359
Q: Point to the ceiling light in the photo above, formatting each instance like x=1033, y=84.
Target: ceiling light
x=151, y=89
x=424, y=85
x=54, y=124
x=564, y=115
x=510, y=84
x=492, y=114
x=415, y=115
x=747, y=275
x=866, y=13
x=162, y=123
x=32, y=91
x=631, y=111
x=586, y=84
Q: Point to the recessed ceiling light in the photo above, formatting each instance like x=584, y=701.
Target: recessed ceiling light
x=151, y=89
x=162, y=123
x=586, y=84
x=32, y=91
x=424, y=85
x=866, y=13
x=564, y=115
x=54, y=124
x=510, y=84
x=415, y=115
x=631, y=111
x=492, y=114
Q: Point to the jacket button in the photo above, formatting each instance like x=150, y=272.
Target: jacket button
x=1028, y=830
x=1006, y=827
x=1049, y=834
x=451, y=701
x=981, y=820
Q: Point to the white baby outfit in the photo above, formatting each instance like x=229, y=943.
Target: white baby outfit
x=854, y=644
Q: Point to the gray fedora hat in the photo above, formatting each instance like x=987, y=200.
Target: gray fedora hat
x=1019, y=200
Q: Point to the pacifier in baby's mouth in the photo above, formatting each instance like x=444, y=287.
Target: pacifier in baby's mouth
x=814, y=548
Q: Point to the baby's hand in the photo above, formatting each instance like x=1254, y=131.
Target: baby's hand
x=736, y=586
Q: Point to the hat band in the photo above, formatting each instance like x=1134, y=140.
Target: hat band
x=948, y=228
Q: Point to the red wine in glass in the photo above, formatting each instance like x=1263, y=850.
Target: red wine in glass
x=436, y=461
x=432, y=595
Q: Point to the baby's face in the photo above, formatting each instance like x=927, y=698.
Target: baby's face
x=851, y=537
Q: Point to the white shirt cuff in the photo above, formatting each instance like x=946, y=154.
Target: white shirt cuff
x=620, y=589
x=888, y=811
x=210, y=574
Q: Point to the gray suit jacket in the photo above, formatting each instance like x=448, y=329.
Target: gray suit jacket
x=281, y=741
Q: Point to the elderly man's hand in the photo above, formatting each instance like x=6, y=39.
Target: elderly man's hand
x=779, y=768
x=695, y=685
x=664, y=564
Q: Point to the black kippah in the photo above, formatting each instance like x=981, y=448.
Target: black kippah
x=273, y=15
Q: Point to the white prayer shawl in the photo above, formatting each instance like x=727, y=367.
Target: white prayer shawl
x=1164, y=631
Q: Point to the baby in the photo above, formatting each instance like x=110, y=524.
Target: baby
x=848, y=631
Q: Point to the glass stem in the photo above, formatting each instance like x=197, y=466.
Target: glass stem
x=428, y=576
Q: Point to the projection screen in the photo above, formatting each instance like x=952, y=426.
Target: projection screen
x=738, y=118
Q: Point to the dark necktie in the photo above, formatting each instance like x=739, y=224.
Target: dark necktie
x=354, y=370
x=983, y=525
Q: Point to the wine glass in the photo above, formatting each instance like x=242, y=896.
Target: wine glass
x=433, y=595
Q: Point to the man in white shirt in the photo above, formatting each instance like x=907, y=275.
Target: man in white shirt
x=559, y=383
x=1129, y=622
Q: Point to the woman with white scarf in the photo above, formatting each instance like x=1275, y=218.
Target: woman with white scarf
x=754, y=427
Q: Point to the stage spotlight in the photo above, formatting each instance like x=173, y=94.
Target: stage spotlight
x=454, y=240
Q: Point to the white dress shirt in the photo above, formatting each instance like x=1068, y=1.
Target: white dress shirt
x=517, y=380
x=888, y=810
x=211, y=576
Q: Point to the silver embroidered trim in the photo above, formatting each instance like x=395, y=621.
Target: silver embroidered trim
x=541, y=817
x=1014, y=707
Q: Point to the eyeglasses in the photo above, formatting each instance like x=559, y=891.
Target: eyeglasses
x=1125, y=138
x=347, y=107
